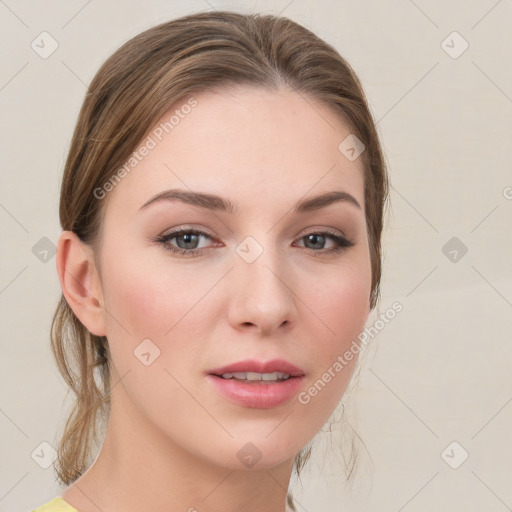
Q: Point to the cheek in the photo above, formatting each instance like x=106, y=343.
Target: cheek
x=149, y=297
x=156, y=300
x=148, y=302
x=340, y=304
x=338, y=310
x=137, y=301
x=346, y=307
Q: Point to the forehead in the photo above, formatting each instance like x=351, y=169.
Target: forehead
x=251, y=145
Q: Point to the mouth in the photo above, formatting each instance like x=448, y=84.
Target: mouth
x=255, y=371
x=256, y=377
x=257, y=384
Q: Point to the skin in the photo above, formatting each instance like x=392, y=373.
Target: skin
x=172, y=439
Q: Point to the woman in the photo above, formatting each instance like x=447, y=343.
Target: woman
x=221, y=208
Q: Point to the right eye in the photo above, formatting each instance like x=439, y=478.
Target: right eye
x=188, y=238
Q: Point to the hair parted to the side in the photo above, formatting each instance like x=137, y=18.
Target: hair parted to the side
x=131, y=91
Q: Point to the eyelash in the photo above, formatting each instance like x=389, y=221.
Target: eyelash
x=341, y=242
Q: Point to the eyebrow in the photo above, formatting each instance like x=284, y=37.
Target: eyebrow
x=221, y=204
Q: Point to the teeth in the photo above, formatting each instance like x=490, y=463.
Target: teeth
x=256, y=376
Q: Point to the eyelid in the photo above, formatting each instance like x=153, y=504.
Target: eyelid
x=323, y=229
x=203, y=231
x=186, y=228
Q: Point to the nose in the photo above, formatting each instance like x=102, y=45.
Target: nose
x=261, y=297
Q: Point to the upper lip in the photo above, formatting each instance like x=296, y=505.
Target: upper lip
x=252, y=365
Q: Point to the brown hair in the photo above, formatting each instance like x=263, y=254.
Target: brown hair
x=132, y=90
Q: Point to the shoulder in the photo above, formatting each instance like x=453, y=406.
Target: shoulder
x=55, y=505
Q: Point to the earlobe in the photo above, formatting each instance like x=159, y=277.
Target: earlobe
x=80, y=282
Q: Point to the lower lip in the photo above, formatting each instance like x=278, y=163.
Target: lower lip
x=258, y=395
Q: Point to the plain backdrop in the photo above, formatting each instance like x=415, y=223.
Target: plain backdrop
x=433, y=405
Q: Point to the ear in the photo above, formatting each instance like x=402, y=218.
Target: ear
x=80, y=282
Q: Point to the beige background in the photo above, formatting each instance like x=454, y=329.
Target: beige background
x=440, y=371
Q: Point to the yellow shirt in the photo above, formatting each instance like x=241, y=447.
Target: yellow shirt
x=59, y=505
x=56, y=505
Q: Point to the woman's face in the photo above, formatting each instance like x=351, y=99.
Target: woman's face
x=261, y=283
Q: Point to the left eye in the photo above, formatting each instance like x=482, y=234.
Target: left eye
x=188, y=240
x=320, y=239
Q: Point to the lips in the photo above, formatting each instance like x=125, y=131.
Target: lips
x=252, y=365
x=260, y=394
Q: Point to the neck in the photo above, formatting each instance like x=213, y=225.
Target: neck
x=139, y=468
